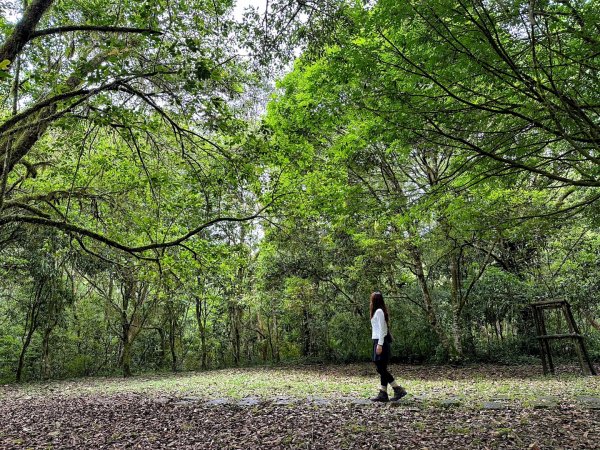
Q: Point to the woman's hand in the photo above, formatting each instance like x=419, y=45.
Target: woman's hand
x=379, y=349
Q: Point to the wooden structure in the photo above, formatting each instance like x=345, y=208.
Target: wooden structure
x=573, y=334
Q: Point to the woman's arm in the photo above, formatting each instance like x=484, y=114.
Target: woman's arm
x=380, y=318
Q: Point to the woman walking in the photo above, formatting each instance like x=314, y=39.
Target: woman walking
x=382, y=348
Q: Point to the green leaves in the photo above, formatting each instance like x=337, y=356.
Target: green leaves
x=202, y=70
x=4, y=67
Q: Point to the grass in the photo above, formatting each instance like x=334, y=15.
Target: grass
x=471, y=385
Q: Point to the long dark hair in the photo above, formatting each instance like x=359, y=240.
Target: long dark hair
x=378, y=303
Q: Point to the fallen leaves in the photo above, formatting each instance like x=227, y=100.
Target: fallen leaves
x=174, y=412
x=141, y=421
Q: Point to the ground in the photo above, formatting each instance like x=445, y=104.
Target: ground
x=307, y=407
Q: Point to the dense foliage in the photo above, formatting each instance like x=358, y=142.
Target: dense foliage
x=155, y=214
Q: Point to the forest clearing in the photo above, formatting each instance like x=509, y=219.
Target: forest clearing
x=215, y=213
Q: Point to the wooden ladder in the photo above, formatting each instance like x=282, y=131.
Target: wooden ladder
x=544, y=338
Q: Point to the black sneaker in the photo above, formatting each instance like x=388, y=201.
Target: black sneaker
x=381, y=397
x=399, y=392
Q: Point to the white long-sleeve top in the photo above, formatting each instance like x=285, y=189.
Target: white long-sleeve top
x=379, y=326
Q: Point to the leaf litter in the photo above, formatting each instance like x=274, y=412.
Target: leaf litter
x=84, y=414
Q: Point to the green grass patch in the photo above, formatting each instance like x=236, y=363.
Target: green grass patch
x=472, y=385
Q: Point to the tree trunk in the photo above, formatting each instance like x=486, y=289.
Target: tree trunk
x=163, y=345
x=235, y=319
x=275, y=341
x=305, y=332
x=470, y=347
x=126, y=343
x=203, y=359
x=272, y=338
x=457, y=335
x=201, y=319
x=236, y=344
x=456, y=301
x=269, y=342
x=31, y=325
x=127, y=325
x=264, y=336
x=26, y=343
x=428, y=300
x=77, y=328
x=23, y=30
x=126, y=358
x=172, y=342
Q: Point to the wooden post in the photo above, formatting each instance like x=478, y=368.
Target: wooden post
x=582, y=351
x=537, y=320
x=546, y=341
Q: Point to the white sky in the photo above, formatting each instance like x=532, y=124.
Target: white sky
x=240, y=5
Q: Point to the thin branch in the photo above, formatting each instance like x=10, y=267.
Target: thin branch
x=101, y=29
x=70, y=228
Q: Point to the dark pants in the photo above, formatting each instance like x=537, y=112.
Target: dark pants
x=381, y=362
x=386, y=377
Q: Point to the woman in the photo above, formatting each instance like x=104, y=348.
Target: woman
x=382, y=348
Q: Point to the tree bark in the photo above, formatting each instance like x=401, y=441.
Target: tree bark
x=24, y=29
x=274, y=341
x=305, y=331
x=234, y=318
x=126, y=297
x=21, y=363
x=457, y=307
x=172, y=340
x=126, y=358
x=201, y=315
x=31, y=325
x=457, y=335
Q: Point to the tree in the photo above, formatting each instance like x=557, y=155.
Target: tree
x=129, y=84
x=361, y=155
x=47, y=295
x=512, y=83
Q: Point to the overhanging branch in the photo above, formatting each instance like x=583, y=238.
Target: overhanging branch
x=101, y=29
x=80, y=231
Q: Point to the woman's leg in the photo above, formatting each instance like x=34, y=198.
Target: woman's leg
x=378, y=367
x=399, y=391
x=382, y=396
x=385, y=376
x=388, y=376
